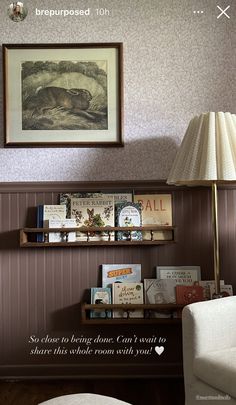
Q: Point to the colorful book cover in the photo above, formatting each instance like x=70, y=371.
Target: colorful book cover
x=186, y=275
x=65, y=198
x=127, y=293
x=159, y=292
x=128, y=215
x=186, y=294
x=156, y=210
x=93, y=212
x=59, y=236
x=206, y=287
x=226, y=290
x=100, y=296
x=122, y=273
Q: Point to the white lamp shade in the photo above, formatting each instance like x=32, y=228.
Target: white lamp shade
x=207, y=152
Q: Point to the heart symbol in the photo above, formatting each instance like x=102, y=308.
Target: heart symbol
x=159, y=350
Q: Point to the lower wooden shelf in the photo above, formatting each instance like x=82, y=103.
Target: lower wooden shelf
x=174, y=309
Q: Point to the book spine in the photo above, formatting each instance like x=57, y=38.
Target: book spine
x=40, y=236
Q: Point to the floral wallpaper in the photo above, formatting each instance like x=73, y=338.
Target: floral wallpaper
x=177, y=63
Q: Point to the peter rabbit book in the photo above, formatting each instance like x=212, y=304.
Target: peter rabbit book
x=100, y=296
x=93, y=212
x=157, y=211
x=65, y=198
x=122, y=273
x=127, y=293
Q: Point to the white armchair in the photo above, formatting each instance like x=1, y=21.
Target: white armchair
x=209, y=351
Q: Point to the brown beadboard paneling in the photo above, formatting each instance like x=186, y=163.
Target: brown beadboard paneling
x=41, y=288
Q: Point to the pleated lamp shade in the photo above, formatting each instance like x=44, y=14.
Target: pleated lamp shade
x=208, y=151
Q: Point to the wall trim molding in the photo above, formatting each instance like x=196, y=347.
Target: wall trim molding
x=59, y=186
x=92, y=371
x=159, y=185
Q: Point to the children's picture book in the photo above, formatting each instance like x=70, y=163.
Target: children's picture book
x=93, y=212
x=100, y=296
x=122, y=273
x=186, y=275
x=187, y=294
x=46, y=212
x=127, y=293
x=60, y=236
x=65, y=198
x=226, y=290
x=128, y=215
x=156, y=210
x=206, y=287
x=157, y=291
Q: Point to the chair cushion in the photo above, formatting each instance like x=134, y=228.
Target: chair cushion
x=84, y=399
x=218, y=369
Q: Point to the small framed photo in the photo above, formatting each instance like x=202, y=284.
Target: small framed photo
x=63, y=95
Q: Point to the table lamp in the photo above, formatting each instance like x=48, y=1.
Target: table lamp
x=207, y=156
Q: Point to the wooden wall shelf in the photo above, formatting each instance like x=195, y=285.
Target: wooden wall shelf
x=147, y=308
x=28, y=236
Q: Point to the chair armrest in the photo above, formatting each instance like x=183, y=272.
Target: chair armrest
x=207, y=322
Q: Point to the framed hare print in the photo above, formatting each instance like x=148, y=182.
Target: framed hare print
x=63, y=95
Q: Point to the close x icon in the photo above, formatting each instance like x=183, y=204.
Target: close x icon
x=223, y=12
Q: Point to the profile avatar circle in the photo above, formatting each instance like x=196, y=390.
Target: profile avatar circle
x=17, y=11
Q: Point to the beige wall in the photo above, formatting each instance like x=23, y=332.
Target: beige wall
x=176, y=65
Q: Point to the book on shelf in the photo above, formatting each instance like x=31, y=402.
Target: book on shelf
x=47, y=212
x=122, y=273
x=187, y=294
x=100, y=296
x=186, y=275
x=65, y=198
x=157, y=211
x=206, y=287
x=157, y=291
x=127, y=293
x=226, y=290
x=93, y=212
x=62, y=236
x=128, y=215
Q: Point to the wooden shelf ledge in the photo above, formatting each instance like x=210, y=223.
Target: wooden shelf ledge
x=147, y=308
x=28, y=236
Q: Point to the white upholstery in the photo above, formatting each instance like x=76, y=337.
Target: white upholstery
x=84, y=399
x=209, y=350
x=218, y=369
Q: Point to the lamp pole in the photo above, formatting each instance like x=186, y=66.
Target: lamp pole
x=216, y=238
